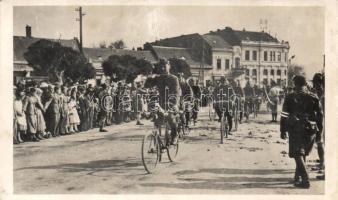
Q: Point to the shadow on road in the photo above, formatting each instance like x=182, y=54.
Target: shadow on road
x=113, y=166
x=228, y=183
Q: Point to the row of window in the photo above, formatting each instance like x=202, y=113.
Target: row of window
x=265, y=81
x=265, y=72
x=219, y=63
x=268, y=56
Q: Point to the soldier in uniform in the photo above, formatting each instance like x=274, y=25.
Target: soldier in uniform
x=105, y=102
x=197, y=95
x=240, y=93
x=221, y=91
x=249, y=94
x=301, y=119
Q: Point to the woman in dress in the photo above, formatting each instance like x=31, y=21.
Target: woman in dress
x=74, y=119
x=20, y=124
x=41, y=124
x=30, y=106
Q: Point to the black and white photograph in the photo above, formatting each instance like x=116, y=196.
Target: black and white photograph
x=168, y=99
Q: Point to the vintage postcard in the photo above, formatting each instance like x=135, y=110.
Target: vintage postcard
x=168, y=98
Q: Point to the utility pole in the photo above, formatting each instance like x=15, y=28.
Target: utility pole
x=79, y=9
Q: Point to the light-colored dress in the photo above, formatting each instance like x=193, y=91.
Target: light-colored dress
x=41, y=124
x=20, y=116
x=73, y=115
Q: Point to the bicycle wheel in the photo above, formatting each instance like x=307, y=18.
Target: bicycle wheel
x=150, y=152
x=172, y=150
x=180, y=131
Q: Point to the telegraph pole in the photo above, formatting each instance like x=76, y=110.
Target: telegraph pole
x=79, y=9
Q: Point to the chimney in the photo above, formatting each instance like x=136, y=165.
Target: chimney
x=28, y=31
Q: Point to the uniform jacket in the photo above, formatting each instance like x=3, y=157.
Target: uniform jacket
x=302, y=105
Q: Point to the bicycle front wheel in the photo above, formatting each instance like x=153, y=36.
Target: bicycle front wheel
x=172, y=151
x=150, y=152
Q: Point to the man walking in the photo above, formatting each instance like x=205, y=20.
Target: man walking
x=301, y=118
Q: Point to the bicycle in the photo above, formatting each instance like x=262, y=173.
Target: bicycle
x=212, y=113
x=154, y=145
x=224, y=125
x=182, y=129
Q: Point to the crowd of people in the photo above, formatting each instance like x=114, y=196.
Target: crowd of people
x=43, y=110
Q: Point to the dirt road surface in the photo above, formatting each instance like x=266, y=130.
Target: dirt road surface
x=251, y=161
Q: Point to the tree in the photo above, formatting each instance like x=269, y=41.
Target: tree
x=125, y=67
x=293, y=70
x=58, y=62
x=179, y=66
x=118, y=44
x=103, y=44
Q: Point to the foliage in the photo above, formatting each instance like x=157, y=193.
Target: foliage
x=118, y=44
x=176, y=66
x=125, y=67
x=103, y=44
x=179, y=66
x=49, y=58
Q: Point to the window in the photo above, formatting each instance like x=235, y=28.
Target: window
x=265, y=72
x=278, y=72
x=272, y=72
x=265, y=56
x=273, y=56
x=279, y=57
x=254, y=72
x=219, y=63
x=270, y=55
x=247, y=72
x=247, y=55
x=227, y=64
x=237, y=62
x=285, y=72
x=254, y=55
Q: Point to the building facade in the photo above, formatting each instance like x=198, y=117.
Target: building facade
x=241, y=55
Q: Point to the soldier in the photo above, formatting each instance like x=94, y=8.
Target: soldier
x=249, y=94
x=105, y=102
x=197, y=95
x=221, y=91
x=301, y=118
x=240, y=93
x=139, y=102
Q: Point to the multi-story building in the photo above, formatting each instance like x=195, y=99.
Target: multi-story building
x=242, y=55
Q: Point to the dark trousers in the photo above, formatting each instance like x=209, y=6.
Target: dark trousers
x=219, y=114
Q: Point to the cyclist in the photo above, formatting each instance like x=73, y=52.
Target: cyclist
x=222, y=94
x=240, y=94
x=186, y=100
x=167, y=105
x=249, y=93
x=197, y=95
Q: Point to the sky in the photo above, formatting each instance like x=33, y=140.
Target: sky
x=303, y=27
